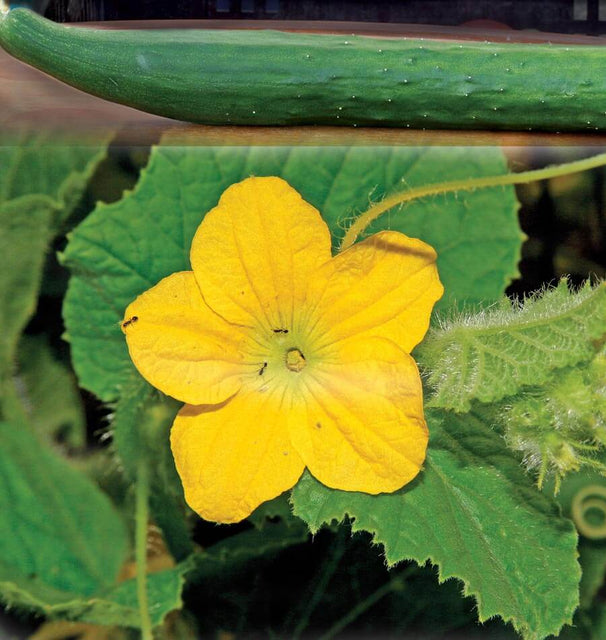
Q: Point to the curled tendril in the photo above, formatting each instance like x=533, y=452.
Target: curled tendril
x=590, y=498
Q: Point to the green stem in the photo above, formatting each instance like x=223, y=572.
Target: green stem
x=141, y=522
x=330, y=566
x=395, y=584
x=466, y=184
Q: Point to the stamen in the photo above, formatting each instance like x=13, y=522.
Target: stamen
x=295, y=360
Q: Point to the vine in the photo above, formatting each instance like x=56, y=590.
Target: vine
x=361, y=223
x=141, y=521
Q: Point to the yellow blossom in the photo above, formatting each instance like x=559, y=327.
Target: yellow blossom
x=285, y=356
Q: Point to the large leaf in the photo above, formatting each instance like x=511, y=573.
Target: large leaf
x=25, y=231
x=60, y=537
x=492, y=355
x=40, y=183
x=474, y=513
x=123, y=249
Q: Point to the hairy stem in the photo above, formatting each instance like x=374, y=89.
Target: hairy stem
x=468, y=184
x=141, y=522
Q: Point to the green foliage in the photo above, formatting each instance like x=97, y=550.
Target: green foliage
x=575, y=490
x=26, y=232
x=36, y=163
x=474, y=513
x=232, y=575
x=119, y=606
x=140, y=428
x=60, y=538
x=491, y=355
x=273, y=509
x=47, y=390
x=115, y=607
x=40, y=183
x=230, y=555
x=560, y=426
x=62, y=544
x=123, y=249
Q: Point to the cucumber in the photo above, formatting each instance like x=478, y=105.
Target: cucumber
x=274, y=78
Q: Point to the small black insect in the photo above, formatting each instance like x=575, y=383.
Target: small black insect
x=281, y=331
x=262, y=369
x=130, y=321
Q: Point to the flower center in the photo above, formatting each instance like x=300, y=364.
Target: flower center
x=295, y=360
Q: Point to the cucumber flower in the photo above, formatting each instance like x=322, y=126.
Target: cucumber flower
x=286, y=357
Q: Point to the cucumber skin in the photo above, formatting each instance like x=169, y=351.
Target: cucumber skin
x=274, y=78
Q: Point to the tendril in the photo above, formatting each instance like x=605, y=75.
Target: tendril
x=360, y=224
x=591, y=498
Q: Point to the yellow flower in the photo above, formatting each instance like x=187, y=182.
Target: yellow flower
x=287, y=357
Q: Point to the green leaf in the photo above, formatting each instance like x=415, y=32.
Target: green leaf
x=491, y=355
x=120, y=607
x=40, y=183
x=476, y=234
x=114, y=607
x=277, y=509
x=37, y=163
x=474, y=513
x=124, y=248
x=60, y=537
x=25, y=231
x=47, y=390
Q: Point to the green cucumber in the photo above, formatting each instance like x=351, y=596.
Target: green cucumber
x=274, y=78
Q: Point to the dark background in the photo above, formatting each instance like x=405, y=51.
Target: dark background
x=561, y=16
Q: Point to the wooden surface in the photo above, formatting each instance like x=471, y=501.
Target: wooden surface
x=29, y=97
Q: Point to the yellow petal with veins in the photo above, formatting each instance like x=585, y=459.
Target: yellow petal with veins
x=384, y=286
x=182, y=347
x=255, y=252
x=287, y=357
x=233, y=457
x=359, y=425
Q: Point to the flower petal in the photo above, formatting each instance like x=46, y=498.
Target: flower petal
x=361, y=426
x=385, y=286
x=181, y=346
x=233, y=457
x=255, y=252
